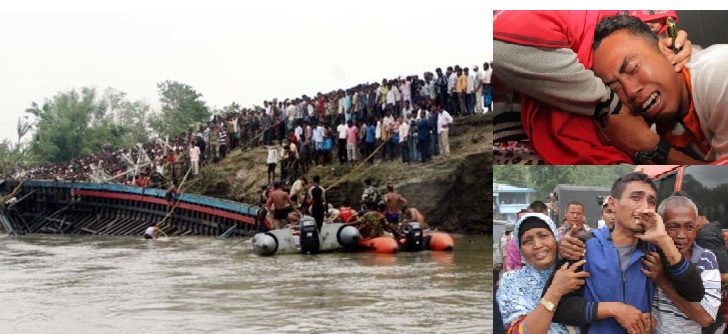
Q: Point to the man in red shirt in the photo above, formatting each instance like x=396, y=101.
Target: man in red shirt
x=346, y=213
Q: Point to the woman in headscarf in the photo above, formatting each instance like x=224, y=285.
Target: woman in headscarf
x=525, y=306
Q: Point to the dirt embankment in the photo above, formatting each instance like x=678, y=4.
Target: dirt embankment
x=454, y=194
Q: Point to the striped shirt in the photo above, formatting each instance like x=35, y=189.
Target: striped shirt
x=223, y=137
x=669, y=318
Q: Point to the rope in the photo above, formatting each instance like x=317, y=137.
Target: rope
x=12, y=194
x=176, y=203
x=343, y=178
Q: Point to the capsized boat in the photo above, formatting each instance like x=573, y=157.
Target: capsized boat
x=307, y=239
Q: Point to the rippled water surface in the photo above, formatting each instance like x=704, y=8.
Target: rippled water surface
x=79, y=284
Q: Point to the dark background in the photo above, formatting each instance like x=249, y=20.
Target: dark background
x=704, y=27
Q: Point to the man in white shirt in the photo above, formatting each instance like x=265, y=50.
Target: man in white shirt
x=407, y=109
x=478, y=76
x=443, y=125
x=391, y=98
x=298, y=132
x=195, y=158
x=291, y=114
x=341, y=130
x=272, y=161
x=487, y=87
x=469, y=92
x=404, y=129
x=318, y=140
x=405, y=90
x=397, y=98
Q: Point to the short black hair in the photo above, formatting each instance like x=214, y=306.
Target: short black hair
x=316, y=179
x=633, y=25
x=538, y=206
x=621, y=183
x=575, y=202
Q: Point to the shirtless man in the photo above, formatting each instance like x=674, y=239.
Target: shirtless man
x=394, y=203
x=280, y=204
x=410, y=214
x=298, y=190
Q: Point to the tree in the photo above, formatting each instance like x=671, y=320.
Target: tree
x=135, y=117
x=61, y=124
x=181, y=109
x=232, y=108
x=12, y=158
x=74, y=124
x=514, y=175
x=545, y=178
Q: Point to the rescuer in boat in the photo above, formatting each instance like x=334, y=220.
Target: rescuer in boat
x=317, y=194
x=371, y=197
x=412, y=214
x=280, y=204
x=346, y=213
x=262, y=211
x=394, y=203
x=372, y=224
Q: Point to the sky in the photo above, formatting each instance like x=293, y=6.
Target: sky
x=245, y=52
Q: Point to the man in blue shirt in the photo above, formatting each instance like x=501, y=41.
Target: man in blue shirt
x=618, y=296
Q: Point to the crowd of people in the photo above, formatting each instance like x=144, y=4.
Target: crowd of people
x=642, y=268
x=406, y=118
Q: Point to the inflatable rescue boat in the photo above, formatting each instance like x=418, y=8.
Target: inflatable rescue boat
x=413, y=239
x=307, y=239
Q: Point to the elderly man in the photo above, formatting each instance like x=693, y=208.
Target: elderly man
x=672, y=311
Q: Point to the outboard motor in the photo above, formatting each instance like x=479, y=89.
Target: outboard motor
x=348, y=237
x=413, y=239
x=310, y=243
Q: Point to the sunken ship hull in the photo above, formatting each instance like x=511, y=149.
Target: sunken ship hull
x=58, y=207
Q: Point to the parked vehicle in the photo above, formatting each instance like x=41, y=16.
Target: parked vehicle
x=708, y=185
x=591, y=197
